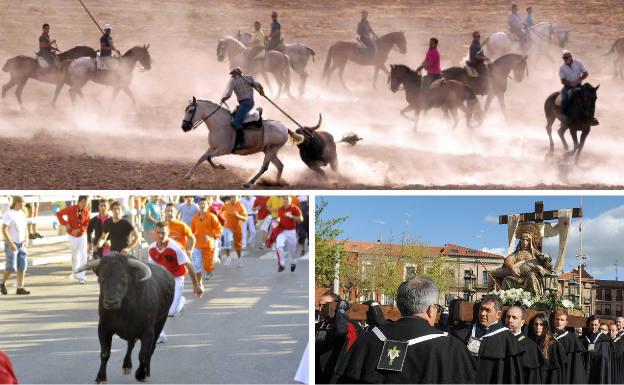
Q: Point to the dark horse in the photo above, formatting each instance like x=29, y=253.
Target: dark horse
x=494, y=81
x=21, y=68
x=341, y=52
x=581, y=108
x=450, y=95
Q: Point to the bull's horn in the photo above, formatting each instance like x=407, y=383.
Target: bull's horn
x=142, y=267
x=319, y=123
x=88, y=266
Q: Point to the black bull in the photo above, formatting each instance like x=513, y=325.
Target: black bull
x=134, y=304
x=318, y=148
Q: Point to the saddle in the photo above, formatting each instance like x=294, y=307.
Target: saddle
x=43, y=63
x=104, y=63
x=471, y=71
x=252, y=120
x=437, y=83
x=559, y=97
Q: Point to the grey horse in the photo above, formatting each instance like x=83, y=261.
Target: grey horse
x=274, y=62
x=269, y=139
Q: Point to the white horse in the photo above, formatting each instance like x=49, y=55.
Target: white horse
x=541, y=36
x=269, y=139
x=298, y=53
x=274, y=62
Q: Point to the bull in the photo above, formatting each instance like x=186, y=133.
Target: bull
x=318, y=148
x=134, y=303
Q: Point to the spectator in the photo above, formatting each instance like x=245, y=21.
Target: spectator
x=15, y=234
x=76, y=218
x=153, y=215
x=94, y=231
x=33, y=211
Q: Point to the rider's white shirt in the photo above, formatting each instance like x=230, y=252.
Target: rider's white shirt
x=572, y=72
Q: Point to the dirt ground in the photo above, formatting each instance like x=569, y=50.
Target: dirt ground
x=104, y=144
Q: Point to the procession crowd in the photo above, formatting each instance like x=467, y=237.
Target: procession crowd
x=501, y=346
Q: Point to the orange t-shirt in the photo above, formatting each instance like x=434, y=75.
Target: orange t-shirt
x=209, y=226
x=180, y=232
x=285, y=222
x=229, y=211
x=295, y=201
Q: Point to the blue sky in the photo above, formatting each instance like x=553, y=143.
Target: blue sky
x=472, y=221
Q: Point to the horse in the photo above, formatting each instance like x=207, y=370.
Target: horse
x=581, y=108
x=274, y=62
x=494, y=81
x=450, y=95
x=540, y=37
x=269, y=139
x=341, y=52
x=299, y=54
x=21, y=68
x=80, y=71
x=618, y=63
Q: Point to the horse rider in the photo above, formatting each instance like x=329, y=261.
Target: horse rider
x=257, y=43
x=365, y=32
x=572, y=74
x=243, y=86
x=106, y=47
x=275, y=37
x=47, y=48
x=515, y=26
x=528, y=20
x=476, y=57
x=431, y=64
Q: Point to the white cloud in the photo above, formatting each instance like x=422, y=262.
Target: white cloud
x=495, y=250
x=603, y=244
x=491, y=219
x=480, y=235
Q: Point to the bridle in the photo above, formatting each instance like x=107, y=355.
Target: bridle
x=199, y=122
x=581, y=106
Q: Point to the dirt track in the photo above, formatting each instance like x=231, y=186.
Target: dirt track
x=128, y=149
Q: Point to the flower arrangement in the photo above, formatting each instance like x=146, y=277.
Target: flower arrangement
x=520, y=297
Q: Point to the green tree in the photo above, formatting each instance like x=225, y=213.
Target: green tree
x=329, y=251
x=441, y=272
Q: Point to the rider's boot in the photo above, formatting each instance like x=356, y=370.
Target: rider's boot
x=240, y=139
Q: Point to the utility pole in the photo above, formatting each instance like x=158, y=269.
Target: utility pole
x=616, y=271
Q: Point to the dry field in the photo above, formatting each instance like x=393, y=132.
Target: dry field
x=104, y=144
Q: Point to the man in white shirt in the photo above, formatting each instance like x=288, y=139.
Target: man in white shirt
x=249, y=226
x=15, y=234
x=572, y=73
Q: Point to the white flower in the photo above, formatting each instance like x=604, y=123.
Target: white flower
x=567, y=304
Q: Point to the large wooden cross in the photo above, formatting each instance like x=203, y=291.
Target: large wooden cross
x=539, y=216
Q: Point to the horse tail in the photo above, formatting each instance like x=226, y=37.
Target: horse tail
x=311, y=53
x=328, y=61
x=615, y=43
x=294, y=137
x=5, y=68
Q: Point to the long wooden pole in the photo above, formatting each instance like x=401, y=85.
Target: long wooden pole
x=490, y=275
x=91, y=16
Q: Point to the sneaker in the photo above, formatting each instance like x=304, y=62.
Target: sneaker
x=37, y=235
x=292, y=267
x=82, y=281
x=209, y=276
x=3, y=289
x=228, y=261
x=239, y=263
x=31, y=236
x=161, y=339
x=22, y=291
x=280, y=268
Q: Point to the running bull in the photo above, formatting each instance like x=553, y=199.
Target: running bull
x=134, y=304
x=318, y=148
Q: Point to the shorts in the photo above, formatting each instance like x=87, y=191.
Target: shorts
x=266, y=224
x=198, y=264
x=15, y=260
x=232, y=238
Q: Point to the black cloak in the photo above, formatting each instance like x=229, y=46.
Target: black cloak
x=500, y=356
x=334, y=339
x=574, y=368
x=439, y=360
x=617, y=360
x=532, y=360
x=598, y=362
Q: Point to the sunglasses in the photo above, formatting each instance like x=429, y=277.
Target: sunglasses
x=567, y=57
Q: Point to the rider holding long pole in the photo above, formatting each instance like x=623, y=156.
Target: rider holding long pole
x=107, y=47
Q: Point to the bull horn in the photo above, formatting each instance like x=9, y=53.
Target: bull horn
x=319, y=123
x=88, y=266
x=142, y=267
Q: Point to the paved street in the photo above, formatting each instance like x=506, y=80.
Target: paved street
x=251, y=326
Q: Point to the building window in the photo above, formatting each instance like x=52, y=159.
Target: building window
x=599, y=294
x=486, y=279
x=618, y=310
x=619, y=296
x=598, y=311
x=607, y=310
x=607, y=294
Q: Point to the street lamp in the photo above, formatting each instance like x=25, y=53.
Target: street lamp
x=470, y=282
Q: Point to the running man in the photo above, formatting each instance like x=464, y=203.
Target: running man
x=168, y=253
x=188, y=209
x=286, y=244
x=235, y=215
x=117, y=233
x=261, y=210
x=249, y=226
x=76, y=218
x=181, y=233
x=207, y=229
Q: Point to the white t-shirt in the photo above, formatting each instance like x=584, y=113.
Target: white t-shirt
x=16, y=220
x=248, y=204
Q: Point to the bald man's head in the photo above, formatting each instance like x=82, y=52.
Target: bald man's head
x=514, y=319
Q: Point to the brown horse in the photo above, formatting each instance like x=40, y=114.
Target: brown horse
x=450, y=95
x=21, y=68
x=343, y=51
x=618, y=63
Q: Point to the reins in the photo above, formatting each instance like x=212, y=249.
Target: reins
x=199, y=122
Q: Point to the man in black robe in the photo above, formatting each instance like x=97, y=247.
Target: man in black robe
x=598, y=353
x=617, y=353
x=410, y=350
x=574, y=370
x=498, y=354
x=334, y=339
x=533, y=358
x=374, y=315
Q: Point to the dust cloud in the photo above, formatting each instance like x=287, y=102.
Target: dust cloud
x=183, y=37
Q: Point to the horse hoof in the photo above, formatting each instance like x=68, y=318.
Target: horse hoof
x=246, y=185
x=188, y=177
x=221, y=167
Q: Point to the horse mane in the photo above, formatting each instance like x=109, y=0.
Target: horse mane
x=405, y=68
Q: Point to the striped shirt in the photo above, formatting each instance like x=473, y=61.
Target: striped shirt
x=241, y=88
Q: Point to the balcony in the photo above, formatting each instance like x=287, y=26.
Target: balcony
x=587, y=301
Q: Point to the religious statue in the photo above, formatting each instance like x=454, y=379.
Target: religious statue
x=526, y=266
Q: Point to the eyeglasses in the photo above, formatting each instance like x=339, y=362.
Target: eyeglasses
x=439, y=308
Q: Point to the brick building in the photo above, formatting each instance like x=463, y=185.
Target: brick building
x=609, y=297
x=569, y=289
